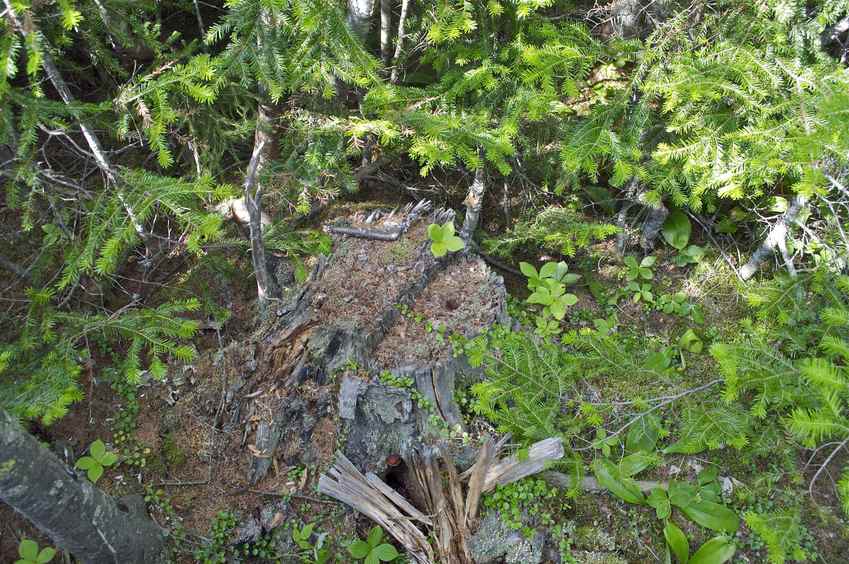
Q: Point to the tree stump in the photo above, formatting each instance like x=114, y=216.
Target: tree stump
x=317, y=384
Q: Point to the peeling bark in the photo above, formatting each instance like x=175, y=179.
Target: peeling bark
x=474, y=201
x=386, y=31
x=76, y=516
x=399, y=43
x=266, y=288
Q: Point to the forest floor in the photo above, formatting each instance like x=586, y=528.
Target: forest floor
x=194, y=469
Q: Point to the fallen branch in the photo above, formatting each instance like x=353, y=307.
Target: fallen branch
x=777, y=238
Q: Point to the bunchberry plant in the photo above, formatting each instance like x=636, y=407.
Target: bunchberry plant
x=548, y=288
x=443, y=240
x=29, y=553
x=373, y=550
x=98, y=459
x=644, y=270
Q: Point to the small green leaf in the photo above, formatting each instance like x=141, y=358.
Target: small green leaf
x=643, y=435
x=689, y=341
x=109, y=459
x=635, y=463
x=375, y=535
x=97, y=449
x=570, y=299
x=28, y=549
x=660, y=501
x=94, y=473
x=46, y=555
x=434, y=232
x=682, y=494
x=359, y=549
x=717, y=550
x=438, y=249
x=372, y=559
x=528, y=270
x=677, y=229
x=677, y=541
x=86, y=462
x=454, y=244
x=386, y=553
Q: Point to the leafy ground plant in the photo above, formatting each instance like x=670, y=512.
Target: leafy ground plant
x=443, y=240
x=29, y=553
x=98, y=459
x=548, y=287
x=373, y=550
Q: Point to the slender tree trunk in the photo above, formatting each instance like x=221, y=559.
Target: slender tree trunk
x=265, y=286
x=776, y=238
x=474, y=201
x=76, y=516
x=359, y=16
x=399, y=43
x=386, y=31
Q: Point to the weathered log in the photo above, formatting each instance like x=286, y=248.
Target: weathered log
x=77, y=516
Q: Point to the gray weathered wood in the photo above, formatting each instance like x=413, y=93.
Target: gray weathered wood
x=70, y=510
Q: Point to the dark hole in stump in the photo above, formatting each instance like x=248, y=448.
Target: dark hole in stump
x=451, y=304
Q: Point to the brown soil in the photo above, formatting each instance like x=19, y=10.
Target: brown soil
x=365, y=276
x=461, y=299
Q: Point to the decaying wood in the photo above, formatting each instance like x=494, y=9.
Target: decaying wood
x=473, y=202
x=344, y=482
x=777, y=237
x=449, y=513
x=392, y=230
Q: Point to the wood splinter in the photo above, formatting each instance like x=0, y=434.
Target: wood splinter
x=448, y=515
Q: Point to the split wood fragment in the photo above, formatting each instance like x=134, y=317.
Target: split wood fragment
x=434, y=481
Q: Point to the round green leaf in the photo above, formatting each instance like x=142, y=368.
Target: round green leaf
x=717, y=550
x=28, y=549
x=46, y=555
x=438, y=249
x=434, y=232
x=528, y=270
x=375, y=535
x=359, y=549
x=448, y=228
x=570, y=299
x=677, y=541
x=94, y=473
x=109, y=459
x=386, y=553
x=97, y=449
x=677, y=229
x=454, y=244
x=86, y=462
